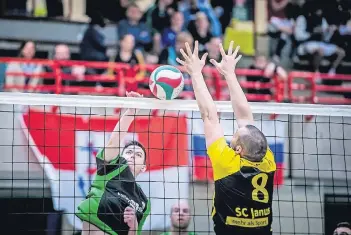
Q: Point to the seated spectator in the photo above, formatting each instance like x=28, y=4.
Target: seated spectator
x=269, y=70
x=224, y=9
x=312, y=34
x=93, y=47
x=62, y=52
x=338, y=14
x=169, y=54
x=27, y=50
x=158, y=17
x=276, y=8
x=133, y=26
x=240, y=11
x=343, y=228
x=169, y=34
x=213, y=50
x=126, y=53
x=201, y=31
x=281, y=29
x=15, y=8
x=113, y=10
x=180, y=219
x=191, y=7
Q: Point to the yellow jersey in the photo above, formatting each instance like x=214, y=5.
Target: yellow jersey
x=242, y=201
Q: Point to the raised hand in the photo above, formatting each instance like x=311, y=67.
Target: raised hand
x=136, y=95
x=192, y=62
x=229, y=61
x=130, y=218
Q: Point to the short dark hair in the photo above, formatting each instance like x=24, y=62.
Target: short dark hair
x=344, y=225
x=135, y=143
x=254, y=144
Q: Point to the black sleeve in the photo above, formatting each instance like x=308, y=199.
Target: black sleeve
x=96, y=41
x=103, y=167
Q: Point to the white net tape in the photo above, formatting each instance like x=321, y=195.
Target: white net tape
x=311, y=144
x=176, y=105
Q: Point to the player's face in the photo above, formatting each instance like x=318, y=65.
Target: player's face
x=135, y=157
x=342, y=231
x=180, y=216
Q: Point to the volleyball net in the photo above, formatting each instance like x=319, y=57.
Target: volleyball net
x=48, y=145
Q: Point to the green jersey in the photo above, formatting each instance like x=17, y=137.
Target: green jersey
x=113, y=189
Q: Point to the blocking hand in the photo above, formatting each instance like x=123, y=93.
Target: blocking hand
x=192, y=62
x=229, y=61
x=133, y=94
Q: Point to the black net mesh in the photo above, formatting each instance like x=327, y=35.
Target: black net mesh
x=48, y=165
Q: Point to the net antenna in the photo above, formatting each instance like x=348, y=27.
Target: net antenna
x=313, y=157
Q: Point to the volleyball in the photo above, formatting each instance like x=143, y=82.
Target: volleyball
x=166, y=82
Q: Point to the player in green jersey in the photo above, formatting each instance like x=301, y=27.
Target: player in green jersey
x=116, y=204
x=180, y=219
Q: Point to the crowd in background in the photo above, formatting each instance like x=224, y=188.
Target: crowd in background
x=311, y=30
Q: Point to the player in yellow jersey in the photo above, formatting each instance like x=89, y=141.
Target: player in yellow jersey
x=244, y=171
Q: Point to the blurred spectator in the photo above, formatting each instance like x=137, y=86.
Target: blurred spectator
x=139, y=30
x=169, y=34
x=343, y=228
x=226, y=8
x=240, y=11
x=93, y=47
x=191, y=7
x=158, y=17
x=281, y=29
x=213, y=50
x=27, y=50
x=180, y=219
x=55, y=9
x=15, y=7
x=269, y=70
x=338, y=13
x=62, y=52
x=312, y=34
x=113, y=10
x=169, y=54
x=276, y=8
x=125, y=51
x=201, y=31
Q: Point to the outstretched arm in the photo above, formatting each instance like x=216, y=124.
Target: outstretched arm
x=112, y=148
x=208, y=110
x=238, y=99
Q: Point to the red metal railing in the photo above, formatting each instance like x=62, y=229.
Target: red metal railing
x=306, y=87
x=125, y=77
x=301, y=86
